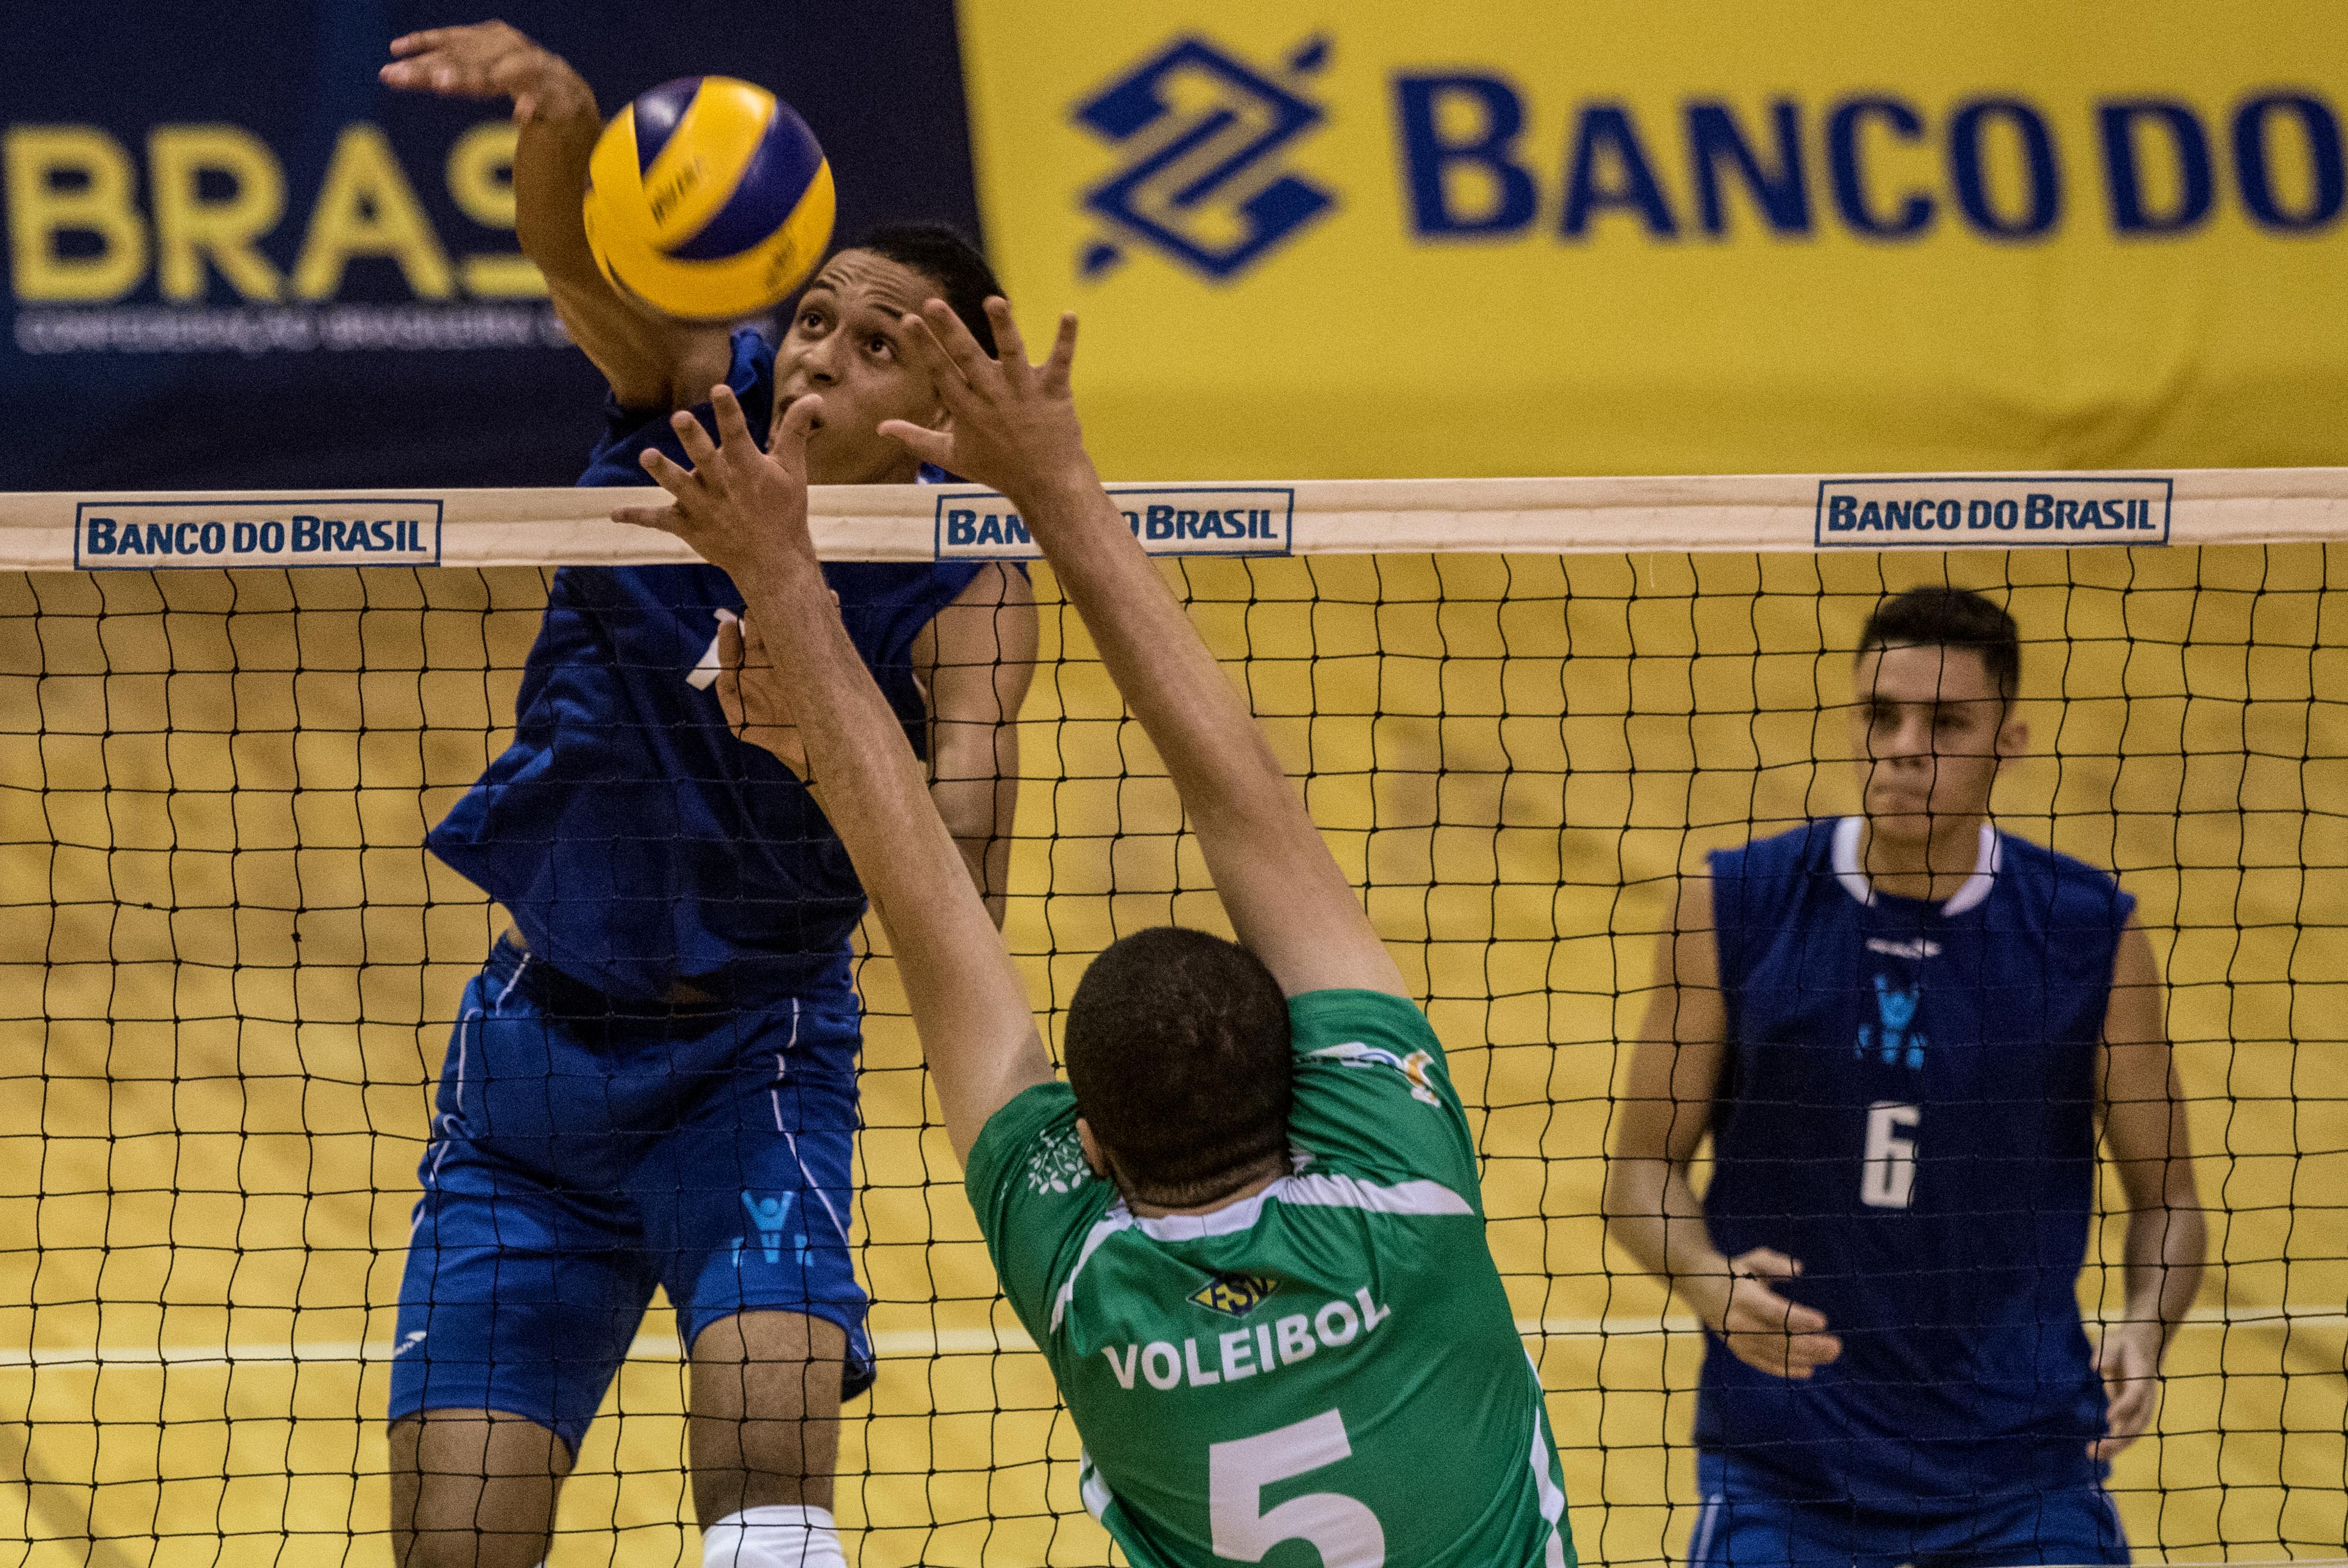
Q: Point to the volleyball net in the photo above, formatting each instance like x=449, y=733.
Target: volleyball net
x=1517, y=710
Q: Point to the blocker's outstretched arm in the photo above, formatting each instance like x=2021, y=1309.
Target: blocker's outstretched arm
x=1014, y=426
x=650, y=362
x=746, y=511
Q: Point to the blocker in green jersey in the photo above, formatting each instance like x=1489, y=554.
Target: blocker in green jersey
x=1272, y=1371
x=1247, y=1231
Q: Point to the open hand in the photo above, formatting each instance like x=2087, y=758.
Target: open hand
x=2128, y=1359
x=1765, y=1329
x=1011, y=425
x=488, y=60
x=741, y=509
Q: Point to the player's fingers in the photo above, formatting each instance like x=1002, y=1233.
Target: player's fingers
x=959, y=346
x=789, y=439
x=682, y=483
x=2131, y=1411
x=2124, y=1422
x=736, y=641
x=755, y=652
x=668, y=519
x=929, y=445
x=1794, y=1355
x=1801, y=1319
x=1063, y=359
x=1767, y=1353
x=930, y=356
x=695, y=441
x=729, y=675
x=1010, y=348
x=1767, y=1263
x=1752, y=1306
x=732, y=427
x=422, y=39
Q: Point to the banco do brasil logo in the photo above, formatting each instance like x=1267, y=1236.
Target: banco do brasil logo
x=1201, y=135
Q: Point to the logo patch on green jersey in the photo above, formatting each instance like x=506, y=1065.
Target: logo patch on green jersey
x=1235, y=1294
x=1056, y=1165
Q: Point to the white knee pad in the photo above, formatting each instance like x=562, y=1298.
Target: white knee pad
x=774, y=1535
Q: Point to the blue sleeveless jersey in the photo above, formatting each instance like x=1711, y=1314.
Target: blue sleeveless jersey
x=1908, y=1106
x=636, y=844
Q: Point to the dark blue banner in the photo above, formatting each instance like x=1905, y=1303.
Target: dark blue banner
x=236, y=261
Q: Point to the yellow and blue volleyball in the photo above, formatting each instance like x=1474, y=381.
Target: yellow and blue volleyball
x=708, y=200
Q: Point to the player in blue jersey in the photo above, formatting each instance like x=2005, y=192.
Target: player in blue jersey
x=1902, y=1031
x=653, y=1080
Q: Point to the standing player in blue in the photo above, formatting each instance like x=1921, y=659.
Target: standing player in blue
x=1903, y=1031
x=653, y=1080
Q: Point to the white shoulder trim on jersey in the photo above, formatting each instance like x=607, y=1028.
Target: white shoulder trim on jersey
x=1854, y=881
x=1420, y=1197
x=1116, y=1219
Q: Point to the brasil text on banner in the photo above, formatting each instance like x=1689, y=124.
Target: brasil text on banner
x=1518, y=238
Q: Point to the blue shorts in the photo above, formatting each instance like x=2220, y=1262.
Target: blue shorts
x=576, y=1162
x=1747, y=1521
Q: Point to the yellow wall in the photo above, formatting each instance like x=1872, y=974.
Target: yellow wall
x=1357, y=344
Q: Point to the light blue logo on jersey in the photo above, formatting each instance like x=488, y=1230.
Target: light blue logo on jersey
x=1897, y=1009
x=770, y=1216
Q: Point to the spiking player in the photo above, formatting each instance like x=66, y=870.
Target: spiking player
x=1247, y=1232
x=1902, y=1031
x=653, y=1081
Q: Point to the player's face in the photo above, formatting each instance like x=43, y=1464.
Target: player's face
x=1931, y=733
x=844, y=342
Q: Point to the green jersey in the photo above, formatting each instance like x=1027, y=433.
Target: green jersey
x=1330, y=1366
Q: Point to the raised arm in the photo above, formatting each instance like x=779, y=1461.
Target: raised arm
x=650, y=362
x=2151, y=1150
x=746, y=511
x=1652, y=1209
x=974, y=660
x=1014, y=426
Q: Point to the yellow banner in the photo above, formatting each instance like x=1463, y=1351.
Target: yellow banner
x=1391, y=237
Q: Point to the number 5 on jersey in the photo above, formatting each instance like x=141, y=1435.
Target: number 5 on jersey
x=1342, y=1529
x=1887, y=1176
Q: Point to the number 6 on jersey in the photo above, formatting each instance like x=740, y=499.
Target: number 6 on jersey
x=1887, y=1177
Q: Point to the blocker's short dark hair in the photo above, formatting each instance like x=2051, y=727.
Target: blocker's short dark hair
x=1178, y=1049
x=1950, y=618
x=946, y=258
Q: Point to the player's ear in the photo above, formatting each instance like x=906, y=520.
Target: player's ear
x=1093, y=1155
x=2012, y=739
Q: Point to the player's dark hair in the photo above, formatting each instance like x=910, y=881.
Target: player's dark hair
x=1951, y=618
x=946, y=258
x=1178, y=1049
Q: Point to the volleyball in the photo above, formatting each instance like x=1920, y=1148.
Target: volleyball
x=708, y=200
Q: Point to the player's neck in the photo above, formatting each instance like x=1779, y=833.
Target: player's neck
x=1143, y=1209
x=1931, y=869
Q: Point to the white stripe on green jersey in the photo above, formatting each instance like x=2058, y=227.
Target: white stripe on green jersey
x=1330, y=1366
